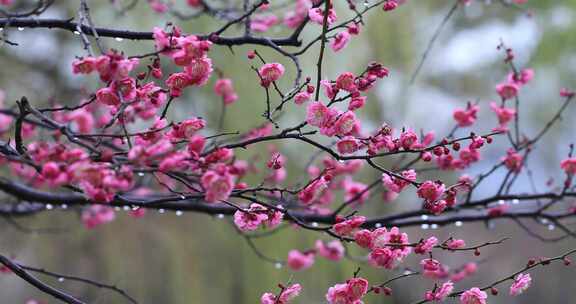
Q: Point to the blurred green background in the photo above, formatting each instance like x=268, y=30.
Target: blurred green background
x=164, y=258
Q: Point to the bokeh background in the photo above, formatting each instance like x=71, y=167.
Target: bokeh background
x=193, y=258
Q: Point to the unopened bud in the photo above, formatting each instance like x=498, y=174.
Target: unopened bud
x=387, y=291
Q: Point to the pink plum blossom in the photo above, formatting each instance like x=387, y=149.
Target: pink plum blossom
x=350, y=292
x=340, y=41
x=285, y=297
x=431, y=190
x=218, y=184
x=224, y=88
x=332, y=250
x=250, y=219
x=455, y=244
x=346, y=227
x=521, y=283
x=270, y=72
x=473, y=296
x=466, y=117
x=317, y=15
x=441, y=293
x=96, y=215
x=298, y=261
x=569, y=165
x=507, y=90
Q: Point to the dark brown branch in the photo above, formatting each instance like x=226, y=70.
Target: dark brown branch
x=79, y=279
x=71, y=26
x=194, y=203
x=529, y=266
x=18, y=127
x=19, y=271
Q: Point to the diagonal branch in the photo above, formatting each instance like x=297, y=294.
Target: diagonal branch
x=79, y=279
x=19, y=271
